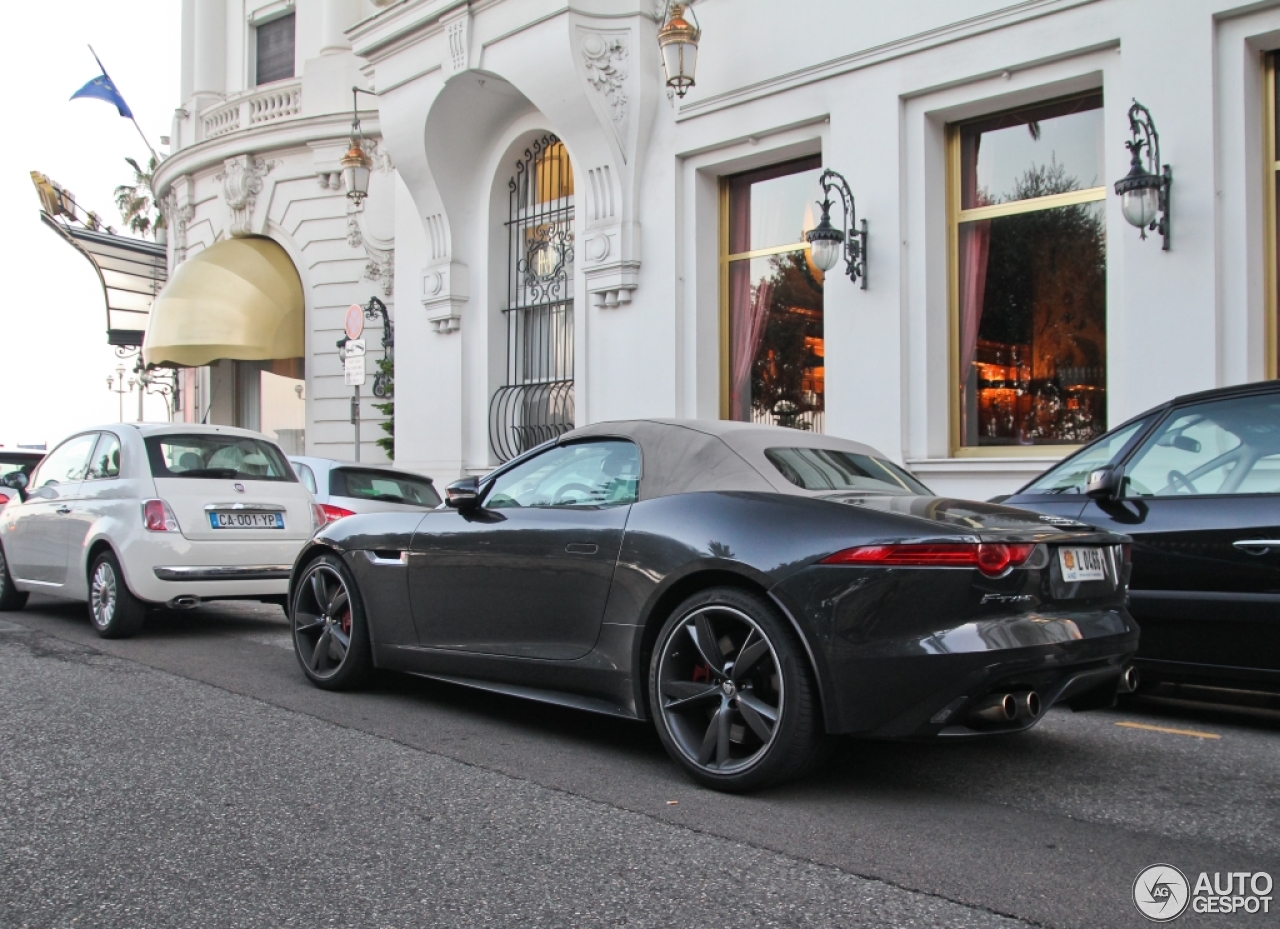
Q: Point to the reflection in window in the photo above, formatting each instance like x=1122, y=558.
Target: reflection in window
x=827, y=469
x=1031, y=276
x=582, y=474
x=775, y=360
x=1072, y=475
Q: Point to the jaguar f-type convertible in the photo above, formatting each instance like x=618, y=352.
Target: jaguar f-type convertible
x=751, y=589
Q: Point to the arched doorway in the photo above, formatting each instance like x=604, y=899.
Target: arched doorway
x=535, y=402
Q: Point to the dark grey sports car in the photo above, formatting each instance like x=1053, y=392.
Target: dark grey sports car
x=752, y=589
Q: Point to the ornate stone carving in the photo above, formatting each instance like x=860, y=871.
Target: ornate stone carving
x=241, y=179
x=457, y=31
x=605, y=57
x=445, y=288
x=381, y=267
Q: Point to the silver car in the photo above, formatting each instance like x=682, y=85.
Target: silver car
x=344, y=488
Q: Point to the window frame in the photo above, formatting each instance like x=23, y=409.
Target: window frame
x=726, y=259
x=956, y=216
x=266, y=17
x=105, y=437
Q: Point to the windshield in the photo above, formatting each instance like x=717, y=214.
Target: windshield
x=1071, y=476
x=385, y=486
x=213, y=455
x=826, y=469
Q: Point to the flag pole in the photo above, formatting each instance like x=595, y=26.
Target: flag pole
x=132, y=118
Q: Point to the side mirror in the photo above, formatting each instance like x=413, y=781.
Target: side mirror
x=17, y=480
x=463, y=494
x=1103, y=484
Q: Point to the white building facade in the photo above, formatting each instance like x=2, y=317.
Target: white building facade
x=567, y=243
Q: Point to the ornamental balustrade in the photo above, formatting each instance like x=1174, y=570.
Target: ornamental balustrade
x=257, y=107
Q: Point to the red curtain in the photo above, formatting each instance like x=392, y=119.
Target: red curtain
x=747, y=314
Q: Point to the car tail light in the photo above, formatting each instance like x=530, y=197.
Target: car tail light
x=991, y=558
x=1126, y=552
x=4, y=498
x=328, y=513
x=157, y=517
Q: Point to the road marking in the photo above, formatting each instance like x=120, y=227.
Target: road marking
x=1190, y=732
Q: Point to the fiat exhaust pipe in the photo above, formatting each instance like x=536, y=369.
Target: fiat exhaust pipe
x=1129, y=680
x=185, y=602
x=1027, y=705
x=997, y=708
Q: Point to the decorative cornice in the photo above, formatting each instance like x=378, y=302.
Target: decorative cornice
x=899, y=48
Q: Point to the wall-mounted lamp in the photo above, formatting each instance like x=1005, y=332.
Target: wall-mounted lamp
x=678, y=40
x=825, y=240
x=1144, y=191
x=355, y=163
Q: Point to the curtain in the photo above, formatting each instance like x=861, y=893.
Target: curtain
x=975, y=242
x=748, y=312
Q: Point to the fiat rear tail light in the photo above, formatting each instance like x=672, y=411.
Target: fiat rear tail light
x=4, y=498
x=157, y=517
x=991, y=558
x=328, y=513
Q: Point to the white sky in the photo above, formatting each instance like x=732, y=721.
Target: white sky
x=53, y=376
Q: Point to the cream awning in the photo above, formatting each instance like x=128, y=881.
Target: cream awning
x=240, y=298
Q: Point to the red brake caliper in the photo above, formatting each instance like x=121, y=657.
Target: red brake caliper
x=701, y=673
x=346, y=622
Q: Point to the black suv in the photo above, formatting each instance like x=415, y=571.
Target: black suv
x=1196, y=483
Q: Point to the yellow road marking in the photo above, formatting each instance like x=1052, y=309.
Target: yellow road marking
x=1190, y=732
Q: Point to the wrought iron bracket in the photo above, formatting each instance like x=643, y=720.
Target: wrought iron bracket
x=382, y=382
x=1143, y=129
x=855, y=236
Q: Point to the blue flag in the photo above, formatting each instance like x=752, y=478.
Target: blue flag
x=101, y=88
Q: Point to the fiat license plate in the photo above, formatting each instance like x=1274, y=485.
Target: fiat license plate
x=1082, y=564
x=235, y=520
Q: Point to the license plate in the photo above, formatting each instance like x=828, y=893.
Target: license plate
x=1082, y=564
x=219, y=520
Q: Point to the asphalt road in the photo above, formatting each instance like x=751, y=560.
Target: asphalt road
x=191, y=777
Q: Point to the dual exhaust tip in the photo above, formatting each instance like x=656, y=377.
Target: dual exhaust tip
x=1007, y=708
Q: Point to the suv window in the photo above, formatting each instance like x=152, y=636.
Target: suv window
x=385, y=486
x=1221, y=447
x=67, y=463
x=1071, y=476
x=106, y=458
x=581, y=474
x=215, y=455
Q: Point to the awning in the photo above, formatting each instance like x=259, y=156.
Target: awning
x=240, y=298
x=131, y=270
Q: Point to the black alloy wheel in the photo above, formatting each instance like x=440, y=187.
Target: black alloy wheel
x=732, y=694
x=11, y=598
x=330, y=635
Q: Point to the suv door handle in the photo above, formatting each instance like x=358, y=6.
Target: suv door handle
x=64, y=510
x=1256, y=546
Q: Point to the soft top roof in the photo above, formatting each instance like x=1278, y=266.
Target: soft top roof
x=689, y=455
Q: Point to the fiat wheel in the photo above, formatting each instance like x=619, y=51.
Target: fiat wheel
x=113, y=610
x=11, y=598
x=330, y=633
x=731, y=693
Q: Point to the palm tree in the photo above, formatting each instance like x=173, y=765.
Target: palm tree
x=137, y=203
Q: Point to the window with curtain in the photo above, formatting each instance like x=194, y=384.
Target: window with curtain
x=274, y=50
x=1029, y=284
x=772, y=329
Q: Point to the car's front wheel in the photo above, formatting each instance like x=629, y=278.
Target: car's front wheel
x=731, y=692
x=330, y=632
x=11, y=598
x=113, y=610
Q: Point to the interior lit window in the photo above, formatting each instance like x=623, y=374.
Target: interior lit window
x=1029, y=276
x=772, y=305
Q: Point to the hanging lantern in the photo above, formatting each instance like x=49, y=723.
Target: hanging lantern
x=678, y=40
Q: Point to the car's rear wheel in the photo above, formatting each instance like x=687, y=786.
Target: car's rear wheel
x=330, y=631
x=113, y=610
x=11, y=598
x=732, y=694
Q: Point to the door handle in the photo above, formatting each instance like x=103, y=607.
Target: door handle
x=64, y=510
x=1256, y=546
x=586, y=548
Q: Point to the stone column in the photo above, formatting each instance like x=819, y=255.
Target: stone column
x=188, y=72
x=210, y=71
x=336, y=16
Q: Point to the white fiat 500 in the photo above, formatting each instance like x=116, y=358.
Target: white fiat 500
x=127, y=516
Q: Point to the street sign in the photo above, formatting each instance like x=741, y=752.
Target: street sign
x=355, y=321
x=353, y=347
x=353, y=374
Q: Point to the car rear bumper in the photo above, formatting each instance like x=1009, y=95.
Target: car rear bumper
x=160, y=567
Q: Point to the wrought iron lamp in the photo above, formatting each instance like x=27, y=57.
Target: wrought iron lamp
x=378, y=310
x=355, y=163
x=678, y=39
x=1144, y=191
x=827, y=243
